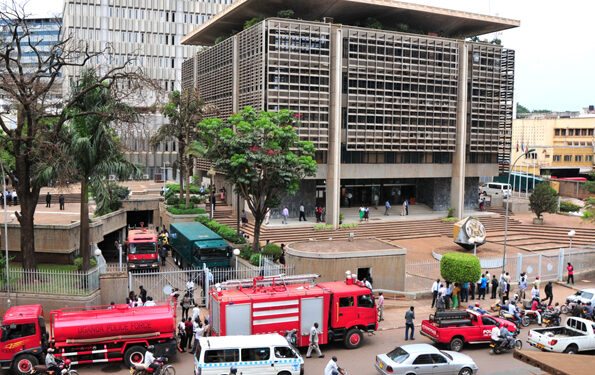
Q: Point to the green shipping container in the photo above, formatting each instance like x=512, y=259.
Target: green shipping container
x=194, y=245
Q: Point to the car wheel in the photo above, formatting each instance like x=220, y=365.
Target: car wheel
x=571, y=349
x=525, y=321
x=466, y=371
x=456, y=345
x=353, y=338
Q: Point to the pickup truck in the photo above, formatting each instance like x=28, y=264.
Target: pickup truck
x=458, y=327
x=576, y=335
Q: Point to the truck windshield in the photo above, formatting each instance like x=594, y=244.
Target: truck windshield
x=398, y=355
x=142, y=248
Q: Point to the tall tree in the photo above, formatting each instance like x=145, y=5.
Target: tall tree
x=259, y=153
x=30, y=72
x=184, y=111
x=543, y=199
x=92, y=147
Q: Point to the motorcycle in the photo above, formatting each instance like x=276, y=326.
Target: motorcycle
x=63, y=365
x=163, y=368
x=551, y=318
x=504, y=314
x=569, y=307
x=500, y=346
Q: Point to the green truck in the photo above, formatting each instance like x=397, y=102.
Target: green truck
x=194, y=245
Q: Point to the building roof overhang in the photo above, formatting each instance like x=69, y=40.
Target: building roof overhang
x=443, y=22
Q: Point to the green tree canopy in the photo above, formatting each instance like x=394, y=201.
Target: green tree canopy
x=259, y=153
x=543, y=199
x=460, y=268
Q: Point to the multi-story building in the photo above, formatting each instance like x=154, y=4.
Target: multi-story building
x=565, y=147
x=148, y=33
x=44, y=33
x=393, y=115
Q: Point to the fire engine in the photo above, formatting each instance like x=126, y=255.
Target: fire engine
x=342, y=309
x=86, y=334
x=142, y=249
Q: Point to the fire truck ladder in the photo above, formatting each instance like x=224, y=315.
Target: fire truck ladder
x=280, y=279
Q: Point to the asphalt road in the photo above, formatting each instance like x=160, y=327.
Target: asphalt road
x=361, y=361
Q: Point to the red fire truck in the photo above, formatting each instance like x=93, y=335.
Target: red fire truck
x=142, y=249
x=86, y=334
x=342, y=309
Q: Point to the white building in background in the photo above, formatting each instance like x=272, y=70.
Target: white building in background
x=148, y=31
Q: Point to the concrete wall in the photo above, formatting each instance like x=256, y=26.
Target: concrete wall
x=366, y=171
x=114, y=287
x=435, y=192
x=388, y=271
x=51, y=302
x=139, y=203
x=306, y=194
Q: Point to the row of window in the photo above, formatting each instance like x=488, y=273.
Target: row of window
x=246, y=355
x=577, y=158
x=573, y=132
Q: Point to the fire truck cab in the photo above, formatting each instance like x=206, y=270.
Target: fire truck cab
x=142, y=250
x=342, y=309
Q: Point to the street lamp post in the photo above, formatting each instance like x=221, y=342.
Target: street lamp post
x=164, y=175
x=506, y=210
x=5, y=235
x=236, y=252
x=570, y=235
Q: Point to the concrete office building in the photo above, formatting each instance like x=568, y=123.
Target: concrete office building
x=148, y=31
x=393, y=115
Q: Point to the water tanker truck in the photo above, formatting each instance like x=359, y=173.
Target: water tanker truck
x=86, y=335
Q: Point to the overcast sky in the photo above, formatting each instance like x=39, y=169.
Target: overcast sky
x=555, y=51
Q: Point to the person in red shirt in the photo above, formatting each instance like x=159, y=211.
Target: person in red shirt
x=535, y=307
x=570, y=269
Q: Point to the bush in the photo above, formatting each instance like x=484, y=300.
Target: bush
x=182, y=209
x=451, y=212
x=272, y=250
x=255, y=259
x=224, y=231
x=175, y=188
x=173, y=200
x=447, y=219
x=197, y=199
x=322, y=226
x=246, y=252
x=460, y=268
x=543, y=199
x=78, y=262
x=349, y=225
x=568, y=207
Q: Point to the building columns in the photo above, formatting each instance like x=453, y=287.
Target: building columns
x=333, y=178
x=457, y=187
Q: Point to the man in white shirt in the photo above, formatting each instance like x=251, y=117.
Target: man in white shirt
x=190, y=288
x=435, y=288
x=150, y=302
x=496, y=334
x=314, y=332
x=512, y=309
x=330, y=366
x=380, y=307
x=199, y=331
x=367, y=283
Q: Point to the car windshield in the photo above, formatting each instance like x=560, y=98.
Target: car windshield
x=398, y=355
x=446, y=355
x=587, y=295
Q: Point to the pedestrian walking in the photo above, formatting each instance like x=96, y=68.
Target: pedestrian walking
x=494, y=286
x=403, y=209
x=182, y=336
x=464, y=295
x=361, y=213
x=186, y=304
x=282, y=257
x=387, y=208
x=522, y=286
x=349, y=196
x=435, y=288
x=61, y=201
x=455, y=296
x=15, y=198
x=317, y=214
x=366, y=213
x=549, y=293
x=314, y=332
x=504, y=289
x=199, y=331
x=406, y=206
x=488, y=279
x=285, y=214
x=190, y=288
x=380, y=307
x=163, y=254
x=189, y=333
x=409, y=326
x=142, y=294
x=447, y=295
x=213, y=200
x=48, y=199
x=537, y=282
x=440, y=305
x=244, y=218
x=482, y=287
x=302, y=212
x=267, y=216
x=570, y=269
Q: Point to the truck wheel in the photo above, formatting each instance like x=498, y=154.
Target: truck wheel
x=353, y=338
x=135, y=355
x=571, y=349
x=525, y=321
x=24, y=364
x=456, y=344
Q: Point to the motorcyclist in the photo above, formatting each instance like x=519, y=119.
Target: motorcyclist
x=496, y=335
x=514, y=311
x=51, y=362
x=589, y=310
x=505, y=335
x=535, y=307
x=150, y=360
x=233, y=371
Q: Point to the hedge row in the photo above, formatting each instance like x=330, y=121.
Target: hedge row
x=223, y=230
x=182, y=209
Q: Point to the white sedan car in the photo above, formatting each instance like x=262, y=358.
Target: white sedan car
x=424, y=359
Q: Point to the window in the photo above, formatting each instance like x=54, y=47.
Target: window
x=557, y=132
x=578, y=157
x=557, y=157
x=588, y=157
x=15, y=331
x=562, y=131
x=284, y=352
x=173, y=17
x=583, y=131
x=256, y=354
x=222, y=356
x=438, y=358
x=589, y=131
x=423, y=359
x=567, y=157
x=570, y=132
x=487, y=321
x=365, y=301
x=398, y=355
x=346, y=302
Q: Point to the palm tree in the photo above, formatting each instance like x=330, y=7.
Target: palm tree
x=94, y=149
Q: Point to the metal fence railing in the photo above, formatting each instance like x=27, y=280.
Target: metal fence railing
x=47, y=281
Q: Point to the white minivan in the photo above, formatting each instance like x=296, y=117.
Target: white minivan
x=251, y=355
x=496, y=189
